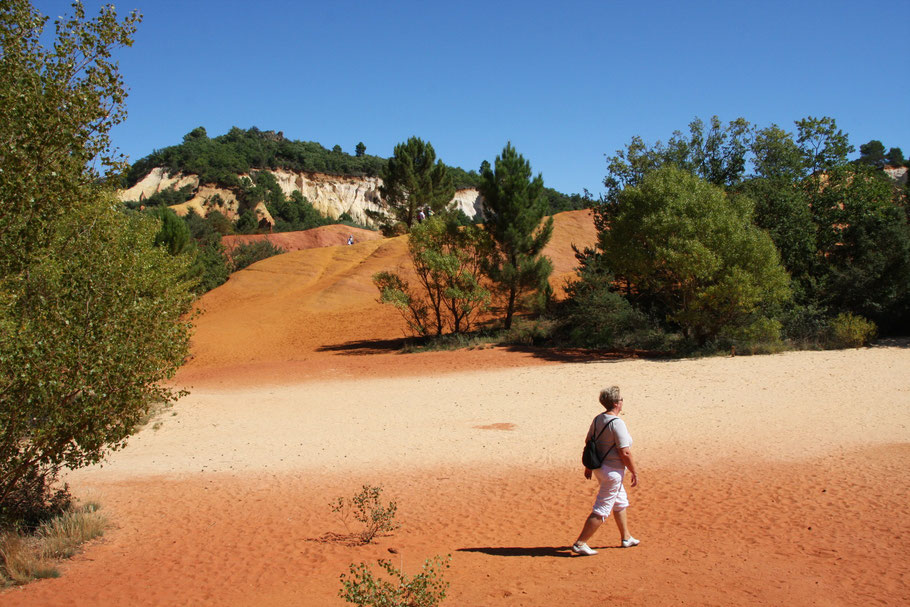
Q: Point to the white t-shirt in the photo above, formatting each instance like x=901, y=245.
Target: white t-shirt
x=616, y=435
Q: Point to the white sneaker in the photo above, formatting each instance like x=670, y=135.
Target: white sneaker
x=583, y=549
x=630, y=542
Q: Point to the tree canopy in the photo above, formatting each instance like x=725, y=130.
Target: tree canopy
x=684, y=245
x=91, y=312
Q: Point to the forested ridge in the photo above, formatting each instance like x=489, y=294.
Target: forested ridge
x=221, y=160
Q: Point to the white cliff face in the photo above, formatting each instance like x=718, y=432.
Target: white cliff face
x=898, y=174
x=156, y=181
x=331, y=195
x=470, y=201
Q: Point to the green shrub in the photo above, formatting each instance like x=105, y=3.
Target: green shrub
x=596, y=316
x=529, y=332
x=851, y=331
x=759, y=337
x=35, y=499
x=249, y=253
x=366, y=508
x=805, y=324
x=424, y=589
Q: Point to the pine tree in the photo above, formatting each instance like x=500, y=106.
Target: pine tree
x=514, y=207
x=413, y=180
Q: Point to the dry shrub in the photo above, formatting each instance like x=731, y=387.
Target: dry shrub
x=20, y=560
x=24, y=558
x=367, y=509
x=61, y=536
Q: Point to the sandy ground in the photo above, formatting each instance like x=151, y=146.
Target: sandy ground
x=765, y=480
x=325, y=236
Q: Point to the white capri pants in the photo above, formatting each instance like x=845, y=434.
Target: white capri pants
x=612, y=495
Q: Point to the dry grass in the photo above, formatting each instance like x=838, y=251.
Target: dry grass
x=24, y=558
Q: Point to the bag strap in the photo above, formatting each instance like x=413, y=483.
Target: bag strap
x=606, y=425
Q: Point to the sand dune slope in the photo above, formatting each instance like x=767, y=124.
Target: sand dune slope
x=324, y=236
x=306, y=309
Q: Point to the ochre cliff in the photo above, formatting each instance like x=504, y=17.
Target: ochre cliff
x=331, y=195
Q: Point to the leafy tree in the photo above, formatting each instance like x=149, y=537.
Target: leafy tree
x=683, y=245
x=91, y=312
x=448, y=259
x=863, y=244
x=823, y=145
x=360, y=150
x=895, y=157
x=514, y=208
x=783, y=210
x=776, y=155
x=717, y=154
x=413, y=180
x=396, y=291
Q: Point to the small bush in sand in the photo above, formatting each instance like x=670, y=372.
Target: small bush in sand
x=424, y=589
x=366, y=508
x=851, y=331
x=26, y=557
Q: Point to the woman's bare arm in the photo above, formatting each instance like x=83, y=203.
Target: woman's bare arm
x=625, y=454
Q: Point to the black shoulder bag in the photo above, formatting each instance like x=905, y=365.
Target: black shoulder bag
x=589, y=457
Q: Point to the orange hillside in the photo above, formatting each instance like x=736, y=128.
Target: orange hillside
x=304, y=308
x=324, y=236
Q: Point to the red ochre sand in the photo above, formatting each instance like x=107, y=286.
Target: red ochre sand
x=765, y=480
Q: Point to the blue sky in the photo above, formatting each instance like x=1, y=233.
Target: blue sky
x=565, y=82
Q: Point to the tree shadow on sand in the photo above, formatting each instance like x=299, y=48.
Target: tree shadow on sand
x=585, y=355
x=553, y=551
x=365, y=347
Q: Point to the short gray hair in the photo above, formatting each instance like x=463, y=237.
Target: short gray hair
x=609, y=397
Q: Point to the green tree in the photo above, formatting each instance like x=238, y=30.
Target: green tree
x=448, y=259
x=863, y=241
x=823, y=145
x=691, y=249
x=413, y=180
x=91, y=312
x=872, y=153
x=783, y=210
x=246, y=223
x=895, y=157
x=776, y=155
x=360, y=149
x=174, y=234
x=514, y=207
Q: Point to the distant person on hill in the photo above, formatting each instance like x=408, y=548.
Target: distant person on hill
x=420, y=216
x=351, y=239
x=613, y=442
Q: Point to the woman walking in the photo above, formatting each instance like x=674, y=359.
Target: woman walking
x=613, y=444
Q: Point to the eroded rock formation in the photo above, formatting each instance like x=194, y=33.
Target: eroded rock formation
x=331, y=195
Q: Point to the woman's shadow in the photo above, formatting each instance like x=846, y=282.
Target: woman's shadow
x=561, y=551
